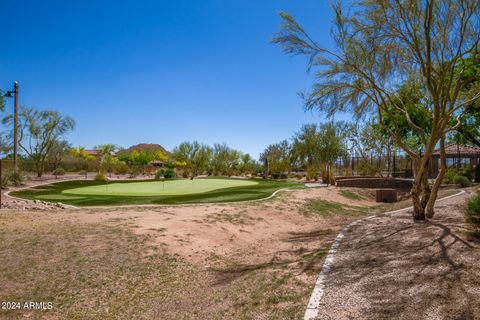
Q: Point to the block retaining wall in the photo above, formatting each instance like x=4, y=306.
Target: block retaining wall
x=375, y=183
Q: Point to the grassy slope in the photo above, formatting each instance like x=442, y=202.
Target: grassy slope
x=88, y=271
x=53, y=192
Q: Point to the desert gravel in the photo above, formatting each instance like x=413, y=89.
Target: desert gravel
x=390, y=267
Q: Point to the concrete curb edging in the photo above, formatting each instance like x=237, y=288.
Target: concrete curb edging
x=312, y=308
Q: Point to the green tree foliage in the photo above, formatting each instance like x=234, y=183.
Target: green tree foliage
x=381, y=44
x=247, y=164
x=468, y=132
x=369, y=141
x=276, y=159
x=39, y=131
x=105, y=157
x=315, y=147
x=58, y=150
x=142, y=158
x=228, y=162
x=195, y=157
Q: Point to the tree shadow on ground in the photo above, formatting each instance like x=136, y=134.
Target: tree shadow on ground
x=407, y=270
x=307, y=252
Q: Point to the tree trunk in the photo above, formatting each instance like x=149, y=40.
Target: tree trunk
x=418, y=209
x=420, y=190
x=438, y=180
x=39, y=166
x=265, y=169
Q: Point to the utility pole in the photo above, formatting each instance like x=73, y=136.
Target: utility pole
x=15, y=125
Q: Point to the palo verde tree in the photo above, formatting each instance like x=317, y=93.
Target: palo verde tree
x=105, y=153
x=196, y=157
x=276, y=159
x=368, y=141
x=57, y=152
x=39, y=131
x=468, y=132
x=380, y=44
x=315, y=147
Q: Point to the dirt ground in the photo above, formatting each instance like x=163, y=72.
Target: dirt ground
x=255, y=260
x=197, y=232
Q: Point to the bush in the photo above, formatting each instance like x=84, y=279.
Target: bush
x=120, y=169
x=16, y=178
x=5, y=181
x=472, y=211
x=82, y=172
x=328, y=176
x=449, y=176
x=13, y=178
x=100, y=177
x=312, y=173
x=160, y=174
x=59, y=172
x=451, y=173
x=165, y=173
x=133, y=172
x=462, y=181
x=170, y=173
x=466, y=172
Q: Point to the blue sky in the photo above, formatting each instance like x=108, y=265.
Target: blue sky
x=161, y=71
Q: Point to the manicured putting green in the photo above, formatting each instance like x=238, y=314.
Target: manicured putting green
x=158, y=188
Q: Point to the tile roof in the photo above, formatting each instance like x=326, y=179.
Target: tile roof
x=462, y=150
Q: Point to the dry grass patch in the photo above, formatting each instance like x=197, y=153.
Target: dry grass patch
x=88, y=271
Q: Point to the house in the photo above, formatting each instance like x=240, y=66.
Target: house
x=457, y=156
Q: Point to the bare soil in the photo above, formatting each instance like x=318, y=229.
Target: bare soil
x=255, y=260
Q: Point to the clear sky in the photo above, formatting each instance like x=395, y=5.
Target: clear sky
x=162, y=72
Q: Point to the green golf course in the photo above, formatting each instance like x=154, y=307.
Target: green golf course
x=90, y=193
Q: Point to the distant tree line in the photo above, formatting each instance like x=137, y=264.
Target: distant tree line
x=315, y=148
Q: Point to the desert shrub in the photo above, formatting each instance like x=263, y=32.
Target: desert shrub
x=278, y=175
x=462, y=181
x=166, y=173
x=449, y=176
x=366, y=168
x=59, y=171
x=133, y=172
x=121, y=168
x=466, y=172
x=100, y=177
x=451, y=173
x=5, y=182
x=328, y=177
x=472, y=211
x=13, y=179
x=312, y=173
x=160, y=174
x=16, y=178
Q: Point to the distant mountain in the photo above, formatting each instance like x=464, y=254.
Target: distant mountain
x=144, y=147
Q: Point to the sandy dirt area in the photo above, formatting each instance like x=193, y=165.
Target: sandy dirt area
x=199, y=231
x=252, y=260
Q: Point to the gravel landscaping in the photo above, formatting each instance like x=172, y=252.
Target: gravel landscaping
x=390, y=267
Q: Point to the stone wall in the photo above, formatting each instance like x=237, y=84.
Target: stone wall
x=375, y=183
